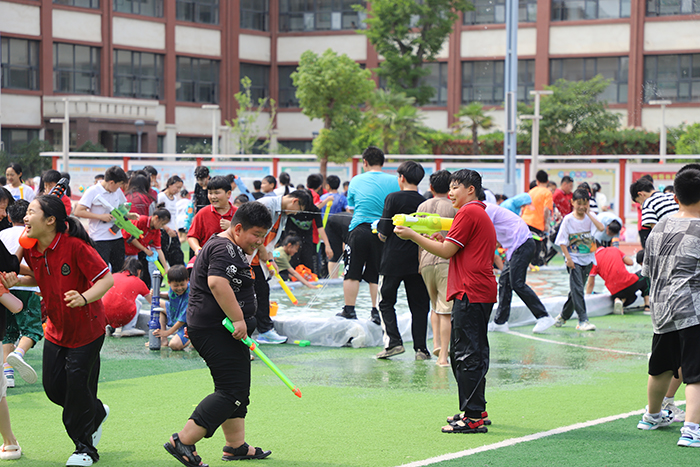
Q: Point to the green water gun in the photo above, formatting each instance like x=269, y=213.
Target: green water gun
x=252, y=345
x=121, y=221
x=423, y=222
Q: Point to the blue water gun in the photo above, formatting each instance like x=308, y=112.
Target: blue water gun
x=189, y=216
x=244, y=189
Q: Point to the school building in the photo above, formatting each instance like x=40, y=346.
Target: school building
x=164, y=72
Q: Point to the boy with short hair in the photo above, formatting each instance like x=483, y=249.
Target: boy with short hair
x=173, y=320
x=214, y=218
x=671, y=261
x=200, y=198
x=611, y=265
x=283, y=254
x=268, y=185
x=340, y=202
x=469, y=245
x=577, y=243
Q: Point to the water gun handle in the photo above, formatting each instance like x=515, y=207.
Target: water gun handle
x=423, y=223
x=154, y=323
x=121, y=221
x=284, y=286
x=190, y=216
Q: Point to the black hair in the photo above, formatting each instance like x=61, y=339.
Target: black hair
x=333, y=181
x=669, y=189
x=4, y=194
x=374, y=156
x=291, y=239
x=687, y=186
x=614, y=227
x=49, y=176
x=482, y=195
x=242, y=199
x=648, y=177
x=440, y=181
x=54, y=207
x=305, y=199
x=253, y=214
x=467, y=178
x=3, y=180
x=132, y=266
x=585, y=186
x=140, y=184
x=99, y=177
x=271, y=180
x=178, y=273
x=17, y=169
x=595, y=188
x=172, y=181
x=17, y=211
x=231, y=178
x=285, y=179
x=581, y=193
x=542, y=176
x=141, y=172
x=314, y=181
x=640, y=257
x=256, y=184
x=693, y=165
x=201, y=172
x=533, y=184
x=116, y=174
x=566, y=179
x=162, y=214
x=501, y=198
x=219, y=183
x=150, y=170
x=643, y=184
x=300, y=187
x=412, y=171
x=184, y=193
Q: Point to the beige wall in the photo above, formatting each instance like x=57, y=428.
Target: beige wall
x=137, y=33
x=651, y=117
x=254, y=48
x=662, y=36
x=436, y=119
x=492, y=42
x=76, y=25
x=20, y=19
x=603, y=38
x=296, y=125
x=197, y=40
x=290, y=48
x=193, y=120
x=21, y=110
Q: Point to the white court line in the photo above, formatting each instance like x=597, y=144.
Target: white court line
x=602, y=349
x=522, y=439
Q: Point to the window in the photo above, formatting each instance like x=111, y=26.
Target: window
x=124, y=142
x=82, y=3
x=483, y=81
x=437, y=79
x=582, y=69
x=672, y=7
x=76, y=69
x=286, y=145
x=672, y=77
x=140, y=7
x=319, y=15
x=494, y=11
x=198, y=11
x=287, y=92
x=255, y=14
x=184, y=142
x=575, y=10
x=138, y=74
x=20, y=63
x=14, y=138
x=197, y=80
x=260, y=80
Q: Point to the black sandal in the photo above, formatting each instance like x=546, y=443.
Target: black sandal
x=458, y=417
x=466, y=425
x=241, y=453
x=184, y=452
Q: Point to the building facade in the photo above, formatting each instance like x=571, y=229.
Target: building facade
x=156, y=70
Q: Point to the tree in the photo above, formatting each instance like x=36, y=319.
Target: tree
x=245, y=128
x=408, y=33
x=477, y=119
x=573, y=118
x=395, y=120
x=689, y=142
x=332, y=87
x=28, y=157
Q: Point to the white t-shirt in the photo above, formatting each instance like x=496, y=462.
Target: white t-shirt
x=23, y=191
x=171, y=206
x=100, y=231
x=10, y=238
x=577, y=235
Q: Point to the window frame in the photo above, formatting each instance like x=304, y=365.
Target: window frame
x=94, y=4
x=695, y=7
x=32, y=69
x=438, y=100
x=524, y=9
x=471, y=88
x=196, y=83
x=558, y=9
x=621, y=84
x=95, y=57
x=196, y=13
x=650, y=87
x=157, y=7
x=257, y=91
x=8, y=142
x=264, y=15
x=284, y=89
x=310, y=16
x=138, y=78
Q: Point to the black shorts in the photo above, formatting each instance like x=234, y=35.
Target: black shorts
x=629, y=294
x=677, y=349
x=363, y=252
x=337, y=232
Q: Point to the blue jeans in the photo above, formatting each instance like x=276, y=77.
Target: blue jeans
x=575, y=301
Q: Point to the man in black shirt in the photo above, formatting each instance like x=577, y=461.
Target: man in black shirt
x=400, y=264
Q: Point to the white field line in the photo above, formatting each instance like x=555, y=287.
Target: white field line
x=522, y=439
x=602, y=349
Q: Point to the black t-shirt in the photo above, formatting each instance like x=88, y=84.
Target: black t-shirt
x=200, y=198
x=399, y=257
x=338, y=224
x=301, y=223
x=223, y=258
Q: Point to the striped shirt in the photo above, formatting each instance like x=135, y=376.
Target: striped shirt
x=657, y=207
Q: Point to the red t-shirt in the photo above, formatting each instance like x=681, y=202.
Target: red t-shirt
x=207, y=223
x=471, y=268
x=563, y=201
x=123, y=295
x=150, y=237
x=140, y=203
x=68, y=264
x=612, y=269
x=67, y=204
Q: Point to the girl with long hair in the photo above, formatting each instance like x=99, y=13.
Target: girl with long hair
x=15, y=184
x=169, y=240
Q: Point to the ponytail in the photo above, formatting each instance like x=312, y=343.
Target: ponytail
x=163, y=214
x=54, y=207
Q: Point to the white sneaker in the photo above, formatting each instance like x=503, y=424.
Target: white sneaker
x=79, y=459
x=678, y=413
x=493, y=327
x=543, y=324
x=617, y=307
x=97, y=435
x=271, y=337
x=25, y=370
x=585, y=326
x=10, y=377
x=689, y=438
x=652, y=423
x=559, y=321
x=132, y=332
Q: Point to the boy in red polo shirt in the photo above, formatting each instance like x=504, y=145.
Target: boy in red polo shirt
x=212, y=219
x=471, y=285
x=150, y=226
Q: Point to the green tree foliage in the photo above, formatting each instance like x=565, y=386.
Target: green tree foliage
x=573, y=118
x=197, y=148
x=408, y=33
x=244, y=128
x=394, y=120
x=476, y=119
x=89, y=146
x=689, y=142
x=332, y=87
x=28, y=157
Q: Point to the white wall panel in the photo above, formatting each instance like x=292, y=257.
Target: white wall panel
x=137, y=33
x=492, y=42
x=254, y=48
x=603, y=38
x=197, y=40
x=77, y=25
x=21, y=110
x=673, y=35
x=20, y=19
x=289, y=49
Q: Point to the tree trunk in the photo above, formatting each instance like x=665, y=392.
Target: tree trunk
x=475, y=140
x=324, y=166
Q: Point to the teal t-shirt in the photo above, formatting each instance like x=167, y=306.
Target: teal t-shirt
x=366, y=194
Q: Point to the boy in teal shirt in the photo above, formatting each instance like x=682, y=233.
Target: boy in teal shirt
x=173, y=320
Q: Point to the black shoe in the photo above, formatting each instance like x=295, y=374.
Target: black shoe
x=347, y=315
x=375, y=318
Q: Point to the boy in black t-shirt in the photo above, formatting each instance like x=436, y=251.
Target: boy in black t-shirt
x=400, y=264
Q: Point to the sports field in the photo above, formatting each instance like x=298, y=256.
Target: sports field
x=358, y=411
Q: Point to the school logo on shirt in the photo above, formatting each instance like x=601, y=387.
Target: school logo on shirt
x=231, y=271
x=65, y=269
x=231, y=250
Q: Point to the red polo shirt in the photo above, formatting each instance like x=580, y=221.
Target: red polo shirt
x=471, y=268
x=68, y=264
x=612, y=269
x=563, y=201
x=150, y=237
x=207, y=223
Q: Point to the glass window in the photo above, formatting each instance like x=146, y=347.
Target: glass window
x=197, y=80
x=494, y=12
x=81, y=3
x=672, y=77
x=287, y=91
x=437, y=79
x=260, y=80
x=14, y=138
x=255, y=14
x=672, y=7
x=20, y=63
x=140, y=7
x=483, y=81
x=76, y=69
x=138, y=74
x=198, y=11
x=320, y=15
x=582, y=69
x=183, y=142
x=576, y=10
x=304, y=146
